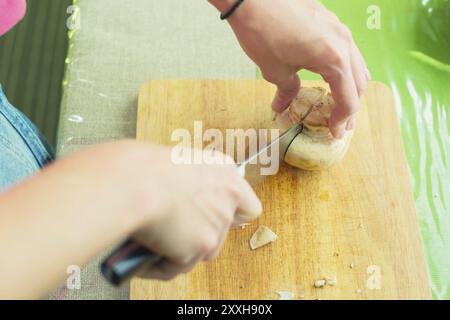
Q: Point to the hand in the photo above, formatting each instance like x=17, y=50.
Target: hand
x=285, y=36
x=80, y=205
x=200, y=204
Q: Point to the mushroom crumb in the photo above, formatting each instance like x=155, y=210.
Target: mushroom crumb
x=332, y=281
x=320, y=283
x=285, y=295
x=263, y=236
x=328, y=281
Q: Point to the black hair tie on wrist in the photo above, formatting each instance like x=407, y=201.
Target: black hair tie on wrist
x=230, y=12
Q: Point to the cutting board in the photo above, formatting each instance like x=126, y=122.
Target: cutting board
x=356, y=222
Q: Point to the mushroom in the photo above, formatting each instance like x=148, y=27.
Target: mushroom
x=315, y=148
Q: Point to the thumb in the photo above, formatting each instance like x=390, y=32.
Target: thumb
x=287, y=91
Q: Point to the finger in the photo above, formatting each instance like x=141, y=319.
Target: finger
x=249, y=207
x=167, y=270
x=329, y=15
x=345, y=95
x=358, y=69
x=287, y=91
x=368, y=74
x=351, y=124
x=215, y=253
x=366, y=71
x=362, y=61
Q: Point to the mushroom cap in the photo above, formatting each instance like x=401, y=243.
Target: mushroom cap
x=315, y=148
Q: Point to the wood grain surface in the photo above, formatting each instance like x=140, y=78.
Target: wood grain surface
x=356, y=222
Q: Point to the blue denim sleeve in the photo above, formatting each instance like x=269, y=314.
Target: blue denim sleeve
x=23, y=150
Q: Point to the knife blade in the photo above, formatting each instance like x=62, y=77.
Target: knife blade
x=251, y=168
x=131, y=257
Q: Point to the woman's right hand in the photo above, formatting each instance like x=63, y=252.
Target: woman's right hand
x=75, y=208
x=198, y=205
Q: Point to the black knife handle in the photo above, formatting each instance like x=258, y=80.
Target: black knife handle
x=126, y=260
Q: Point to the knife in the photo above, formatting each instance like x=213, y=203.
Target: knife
x=131, y=257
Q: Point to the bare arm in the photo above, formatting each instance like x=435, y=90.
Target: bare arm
x=62, y=216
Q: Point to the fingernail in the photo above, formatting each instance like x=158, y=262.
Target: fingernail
x=350, y=125
x=256, y=205
x=251, y=206
x=339, y=131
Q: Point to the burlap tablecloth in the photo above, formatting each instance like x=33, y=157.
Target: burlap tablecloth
x=119, y=46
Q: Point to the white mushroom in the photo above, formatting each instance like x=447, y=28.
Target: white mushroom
x=315, y=148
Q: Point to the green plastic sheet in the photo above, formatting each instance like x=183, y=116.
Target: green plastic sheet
x=409, y=50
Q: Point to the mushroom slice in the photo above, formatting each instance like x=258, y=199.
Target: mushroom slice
x=263, y=236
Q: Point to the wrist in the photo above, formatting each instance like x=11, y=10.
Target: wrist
x=232, y=10
x=222, y=5
x=243, y=14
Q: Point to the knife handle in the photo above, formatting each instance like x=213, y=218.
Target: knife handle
x=126, y=260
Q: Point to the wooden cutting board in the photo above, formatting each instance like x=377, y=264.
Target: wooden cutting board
x=356, y=222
